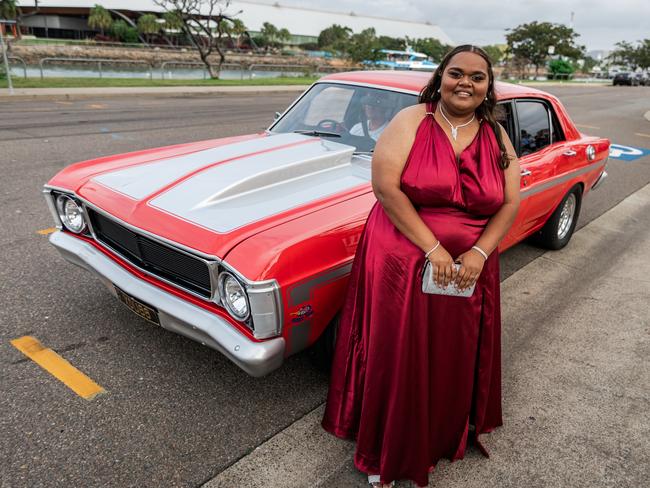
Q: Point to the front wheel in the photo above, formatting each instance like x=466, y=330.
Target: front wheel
x=559, y=228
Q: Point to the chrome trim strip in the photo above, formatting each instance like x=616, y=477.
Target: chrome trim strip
x=527, y=192
x=49, y=200
x=176, y=314
x=600, y=180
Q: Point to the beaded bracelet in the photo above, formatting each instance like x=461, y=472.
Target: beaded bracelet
x=481, y=251
x=427, y=254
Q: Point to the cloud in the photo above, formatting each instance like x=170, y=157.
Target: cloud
x=600, y=23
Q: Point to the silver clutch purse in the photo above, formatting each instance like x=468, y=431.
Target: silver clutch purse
x=429, y=286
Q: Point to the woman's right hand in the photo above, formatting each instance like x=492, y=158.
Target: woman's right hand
x=443, y=267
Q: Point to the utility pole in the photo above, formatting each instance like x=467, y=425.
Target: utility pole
x=4, y=56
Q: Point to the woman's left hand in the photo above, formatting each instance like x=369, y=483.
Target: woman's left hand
x=471, y=266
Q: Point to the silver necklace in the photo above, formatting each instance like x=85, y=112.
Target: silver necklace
x=454, y=130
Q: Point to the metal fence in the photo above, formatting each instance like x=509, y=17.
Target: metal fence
x=166, y=67
x=21, y=61
x=97, y=61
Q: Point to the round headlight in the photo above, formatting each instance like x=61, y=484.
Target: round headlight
x=233, y=296
x=70, y=214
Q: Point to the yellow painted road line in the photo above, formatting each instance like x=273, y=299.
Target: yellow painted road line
x=58, y=367
x=47, y=231
x=642, y=135
x=587, y=126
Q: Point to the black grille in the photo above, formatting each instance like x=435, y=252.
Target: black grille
x=164, y=261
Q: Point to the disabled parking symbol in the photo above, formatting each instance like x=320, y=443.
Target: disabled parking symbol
x=627, y=153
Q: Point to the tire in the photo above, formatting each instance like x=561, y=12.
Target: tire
x=559, y=228
x=322, y=352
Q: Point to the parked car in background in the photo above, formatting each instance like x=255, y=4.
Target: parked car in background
x=625, y=78
x=245, y=244
x=643, y=78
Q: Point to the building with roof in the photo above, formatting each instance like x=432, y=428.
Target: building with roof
x=68, y=19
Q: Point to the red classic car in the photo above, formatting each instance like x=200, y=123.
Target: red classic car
x=245, y=243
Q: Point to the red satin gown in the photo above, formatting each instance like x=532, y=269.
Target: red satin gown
x=412, y=371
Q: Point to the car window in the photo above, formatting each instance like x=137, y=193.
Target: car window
x=331, y=104
x=534, y=128
x=505, y=117
x=350, y=114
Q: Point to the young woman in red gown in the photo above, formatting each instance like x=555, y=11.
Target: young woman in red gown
x=414, y=374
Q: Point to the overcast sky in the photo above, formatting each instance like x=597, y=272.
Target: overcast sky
x=600, y=23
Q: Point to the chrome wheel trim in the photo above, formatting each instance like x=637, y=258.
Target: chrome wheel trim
x=566, y=216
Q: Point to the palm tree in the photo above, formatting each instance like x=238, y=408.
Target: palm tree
x=148, y=25
x=8, y=9
x=99, y=18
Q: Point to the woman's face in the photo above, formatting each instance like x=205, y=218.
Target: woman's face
x=464, y=82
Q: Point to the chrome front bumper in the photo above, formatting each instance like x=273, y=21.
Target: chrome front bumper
x=176, y=314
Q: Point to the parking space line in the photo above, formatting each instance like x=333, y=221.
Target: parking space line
x=587, y=126
x=47, y=231
x=58, y=367
x=642, y=135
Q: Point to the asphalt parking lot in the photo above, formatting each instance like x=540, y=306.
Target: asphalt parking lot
x=174, y=413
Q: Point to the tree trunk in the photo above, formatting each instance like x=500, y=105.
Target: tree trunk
x=536, y=70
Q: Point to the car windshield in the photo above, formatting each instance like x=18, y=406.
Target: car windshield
x=353, y=115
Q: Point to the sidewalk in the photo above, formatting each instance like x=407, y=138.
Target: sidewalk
x=21, y=94
x=576, y=376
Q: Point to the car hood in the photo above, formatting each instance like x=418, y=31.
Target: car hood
x=210, y=196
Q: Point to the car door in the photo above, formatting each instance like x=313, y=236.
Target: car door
x=539, y=145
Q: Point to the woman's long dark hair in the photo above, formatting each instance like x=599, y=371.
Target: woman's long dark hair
x=486, y=111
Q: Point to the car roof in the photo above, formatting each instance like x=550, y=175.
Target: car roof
x=416, y=80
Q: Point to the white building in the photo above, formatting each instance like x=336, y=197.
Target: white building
x=67, y=18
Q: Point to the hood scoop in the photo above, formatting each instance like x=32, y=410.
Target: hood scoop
x=245, y=190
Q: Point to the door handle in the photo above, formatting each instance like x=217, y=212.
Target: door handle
x=525, y=172
x=569, y=152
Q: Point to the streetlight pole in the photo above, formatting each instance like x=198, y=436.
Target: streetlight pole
x=4, y=56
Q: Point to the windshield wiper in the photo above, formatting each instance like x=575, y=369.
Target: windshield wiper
x=320, y=133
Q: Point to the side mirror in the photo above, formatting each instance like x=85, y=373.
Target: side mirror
x=276, y=116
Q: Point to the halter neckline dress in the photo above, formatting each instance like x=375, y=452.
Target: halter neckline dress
x=412, y=371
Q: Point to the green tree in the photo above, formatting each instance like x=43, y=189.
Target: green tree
x=235, y=29
x=644, y=54
x=386, y=42
x=431, y=47
x=560, y=69
x=494, y=51
x=532, y=42
x=119, y=28
x=173, y=20
x=335, y=38
x=148, y=26
x=624, y=53
x=364, y=46
x=271, y=36
x=100, y=18
x=8, y=9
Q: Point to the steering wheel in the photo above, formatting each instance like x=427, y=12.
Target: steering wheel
x=330, y=125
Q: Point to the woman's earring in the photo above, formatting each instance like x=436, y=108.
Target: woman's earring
x=438, y=90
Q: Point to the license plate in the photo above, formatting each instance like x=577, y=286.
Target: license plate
x=136, y=306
